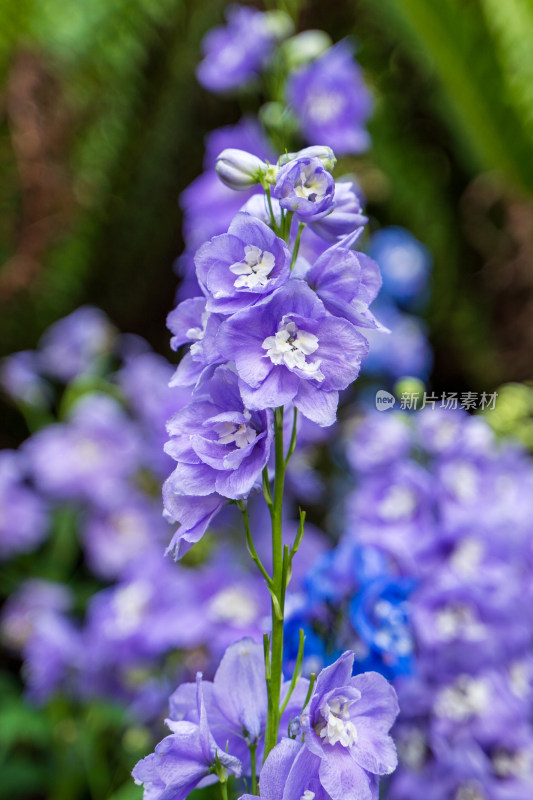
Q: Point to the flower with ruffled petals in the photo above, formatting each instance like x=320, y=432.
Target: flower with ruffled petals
x=236, y=701
x=290, y=350
x=184, y=759
x=305, y=187
x=346, y=726
x=241, y=266
x=346, y=282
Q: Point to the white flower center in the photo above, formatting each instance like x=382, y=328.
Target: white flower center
x=311, y=187
x=234, y=605
x=291, y=346
x=465, y=698
x=230, y=432
x=308, y=795
x=463, y=481
x=254, y=271
x=519, y=679
x=197, y=334
x=325, y=107
x=130, y=527
x=459, y=620
x=338, y=726
x=412, y=748
x=398, y=503
x=513, y=765
x=470, y=791
x=130, y=604
x=89, y=452
x=466, y=558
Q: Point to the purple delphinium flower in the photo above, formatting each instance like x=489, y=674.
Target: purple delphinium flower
x=20, y=378
x=235, y=54
x=33, y=599
x=378, y=441
x=219, y=445
x=242, y=266
x=346, y=727
x=185, y=759
x=347, y=283
x=52, y=653
x=221, y=448
x=331, y=101
x=136, y=620
x=24, y=518
x=114, y=538
x=345, y=217
x=87, y=457
x=190, y=323
x=75, y=344
x=305, y=187
x=236, y=701
x=232, y=603
x=290, y=771
x=290, y=350
x=467, y=623
x=193, y=513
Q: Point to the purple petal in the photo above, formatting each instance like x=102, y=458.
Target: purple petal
x=342, y=778
x=276, y=769
x=317, y=405
x=278, y=389
x=240, y=687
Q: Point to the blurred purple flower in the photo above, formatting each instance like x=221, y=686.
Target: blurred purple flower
x=87, y=457
x=235, y=54
x=24, y=516
x=331, y=102
x=75, y=344
x=21, y=380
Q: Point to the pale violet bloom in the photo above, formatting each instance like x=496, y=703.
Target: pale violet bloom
x=242, y=266
x=288, y=349
x=188, y=758
x=305, y=187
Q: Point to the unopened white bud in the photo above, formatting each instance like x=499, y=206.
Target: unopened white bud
x=239, y=169
x=305, y=47
x=322, y=152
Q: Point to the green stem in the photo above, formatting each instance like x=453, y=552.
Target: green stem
x=296, y=247
x=279, y=575
x=250, y=544
x=292, y=443
x=271, y=210
x=253, y=748
x=224, y=790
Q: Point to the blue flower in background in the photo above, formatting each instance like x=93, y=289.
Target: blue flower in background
x=380, y=614
x=405, y=265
